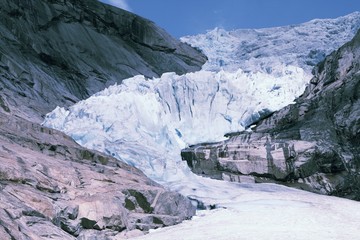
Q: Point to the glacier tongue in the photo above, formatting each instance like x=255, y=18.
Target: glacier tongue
x=146, y=122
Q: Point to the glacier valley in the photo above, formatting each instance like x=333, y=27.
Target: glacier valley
x=249, y=74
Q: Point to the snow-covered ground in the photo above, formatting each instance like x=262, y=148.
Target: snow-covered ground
x=146, y=122
x=267, y=211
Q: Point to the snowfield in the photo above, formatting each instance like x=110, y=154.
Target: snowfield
x=267, y=211
x=250, y=73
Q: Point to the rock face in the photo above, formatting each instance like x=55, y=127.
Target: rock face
x=312, y=144
x=50, y=187
x=57, y=52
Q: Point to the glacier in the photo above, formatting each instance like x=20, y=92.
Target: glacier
x=271, y=49
x=146, y=122
x=249, y=74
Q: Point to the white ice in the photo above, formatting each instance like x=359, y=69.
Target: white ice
x=270, y=49
x=146, y=122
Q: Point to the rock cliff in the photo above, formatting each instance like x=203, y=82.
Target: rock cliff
x=56, y=52
x=312, y=144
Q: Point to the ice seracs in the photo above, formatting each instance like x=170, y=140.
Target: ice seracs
x=146, y=122
x=272, y=49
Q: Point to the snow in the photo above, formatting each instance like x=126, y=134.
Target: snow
x=146, y=122
x=270, y=212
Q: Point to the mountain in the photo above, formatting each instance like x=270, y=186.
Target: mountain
x=59, y=52
x=312, y=144
x=55, y=53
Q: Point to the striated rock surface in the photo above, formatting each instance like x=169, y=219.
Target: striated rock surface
x=312, y=144
x=56, y=52
x=50, y=187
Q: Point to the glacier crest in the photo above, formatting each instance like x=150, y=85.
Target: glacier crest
x=270, y=49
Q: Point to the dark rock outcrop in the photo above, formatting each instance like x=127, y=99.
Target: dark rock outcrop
x=50, y=187
x=313, y=144
x=55, y=52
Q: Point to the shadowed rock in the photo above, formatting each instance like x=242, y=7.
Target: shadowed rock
x=58, y=52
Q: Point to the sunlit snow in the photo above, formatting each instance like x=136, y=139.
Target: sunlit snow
x=146, y=122
x=270, y=212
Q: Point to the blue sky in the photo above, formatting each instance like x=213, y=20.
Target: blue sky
x=189, y=17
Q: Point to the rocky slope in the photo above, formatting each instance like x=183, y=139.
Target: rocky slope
x=50, y=187
x=312, y=144
x=57, y=52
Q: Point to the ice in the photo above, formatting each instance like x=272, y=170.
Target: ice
x=271, y=49
x=146, y=122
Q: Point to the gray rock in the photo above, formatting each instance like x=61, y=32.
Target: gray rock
x=58, y=52
x=313, y=144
